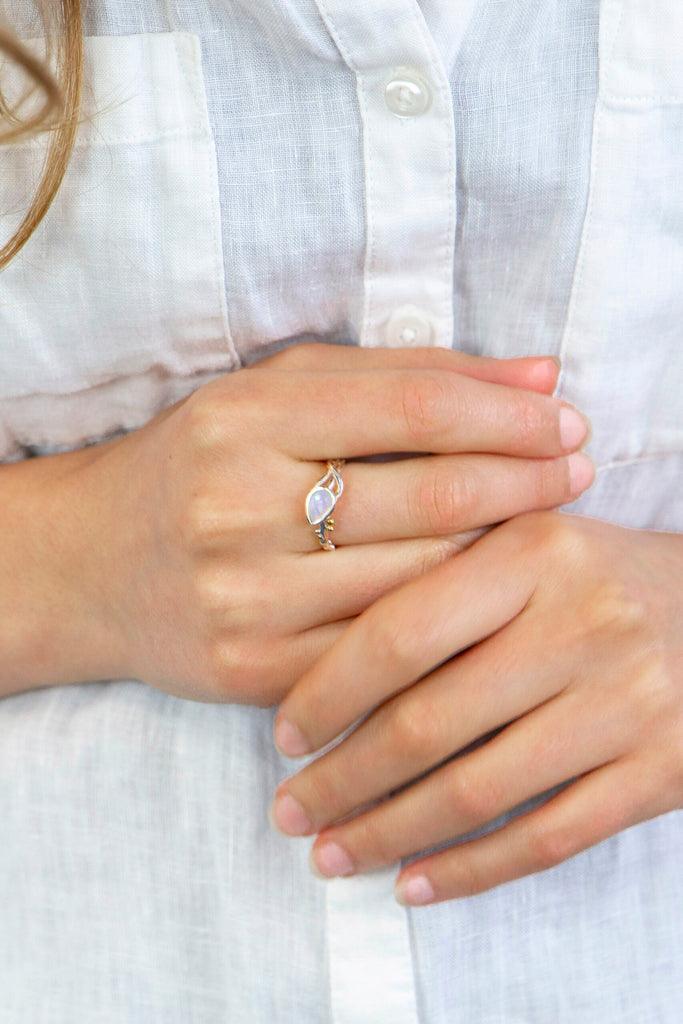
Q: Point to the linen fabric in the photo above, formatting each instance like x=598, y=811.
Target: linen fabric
x=241, y=182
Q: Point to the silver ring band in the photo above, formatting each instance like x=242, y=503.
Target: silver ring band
x=321, y=501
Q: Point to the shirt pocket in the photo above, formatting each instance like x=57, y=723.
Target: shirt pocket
x=117, y=306
x=623, y=344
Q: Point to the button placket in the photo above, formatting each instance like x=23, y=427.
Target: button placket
x=410, y=218
x=409, y=150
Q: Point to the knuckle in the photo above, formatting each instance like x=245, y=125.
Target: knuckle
x=555, y=539
x=241, y=673
x=326, y=797
x=611, y=608
x=655, y=695
x=224, y=672
x=209, y=594
x=528, y=421
x=377, y=843
x=468, y=876
x=199, y=525
x=387, y=635
x=415, y=730
x=551, y=846
x=443, y=501
x=422, y=403
x=206, y=523
x=234, y=600
x=226, y=407
x=472, y=801
x=204, y=426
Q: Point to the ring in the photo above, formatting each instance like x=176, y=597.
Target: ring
x=321, y=501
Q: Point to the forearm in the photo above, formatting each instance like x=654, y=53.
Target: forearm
x=53, y=624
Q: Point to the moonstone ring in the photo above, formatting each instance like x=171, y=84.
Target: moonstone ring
x=321, y=501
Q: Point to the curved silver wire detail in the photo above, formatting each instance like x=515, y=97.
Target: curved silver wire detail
x=321, y=501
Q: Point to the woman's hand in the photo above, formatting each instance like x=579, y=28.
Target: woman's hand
x=555, y=646
x=182, y=554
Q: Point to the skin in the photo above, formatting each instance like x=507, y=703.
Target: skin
x=179, y=554
x=566, y=668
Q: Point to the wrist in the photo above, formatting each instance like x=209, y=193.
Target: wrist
x=54, y=627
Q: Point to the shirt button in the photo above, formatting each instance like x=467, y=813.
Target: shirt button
x=407, y=95
x=409, y=327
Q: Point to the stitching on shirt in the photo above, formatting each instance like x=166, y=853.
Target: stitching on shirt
x=661, y=99
x=337, y=35
x=447, y=247
x=197, y=125
x=585, y=240
x=618, y=99
x=450, y=236
x=370, y=177
x=192, y=70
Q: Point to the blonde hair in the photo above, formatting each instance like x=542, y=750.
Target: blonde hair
x=58, y=112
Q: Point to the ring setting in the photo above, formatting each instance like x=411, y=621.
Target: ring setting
x=321, y=501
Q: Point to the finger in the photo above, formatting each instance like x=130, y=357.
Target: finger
x=355, y=414
x=482, y=690
x=545, y=748
x=441, y=495
x=589, y=811
x=536, y=373
x=361, y=576
x=272, y=513
x=406, y=634
x=260, y=674
x=322, y=587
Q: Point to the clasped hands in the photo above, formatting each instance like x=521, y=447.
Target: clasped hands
x=548, y=654
x=216, y=586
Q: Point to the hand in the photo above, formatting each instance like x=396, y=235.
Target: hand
x=180, y=554
x=227, y=595
x=555, y=646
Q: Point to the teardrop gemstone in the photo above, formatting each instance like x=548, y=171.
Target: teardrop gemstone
x=319, y=505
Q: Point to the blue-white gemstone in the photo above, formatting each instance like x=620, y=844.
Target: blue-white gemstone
x=319, y=505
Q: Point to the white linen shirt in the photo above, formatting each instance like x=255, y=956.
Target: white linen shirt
x=501, y=177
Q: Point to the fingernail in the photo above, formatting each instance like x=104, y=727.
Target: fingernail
x=414, y=892
x=288, y=816
x=581, y=472
x=330, y=861
x=556, y=360
x=573, y=428
x=289, y=740
x=545, y=373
